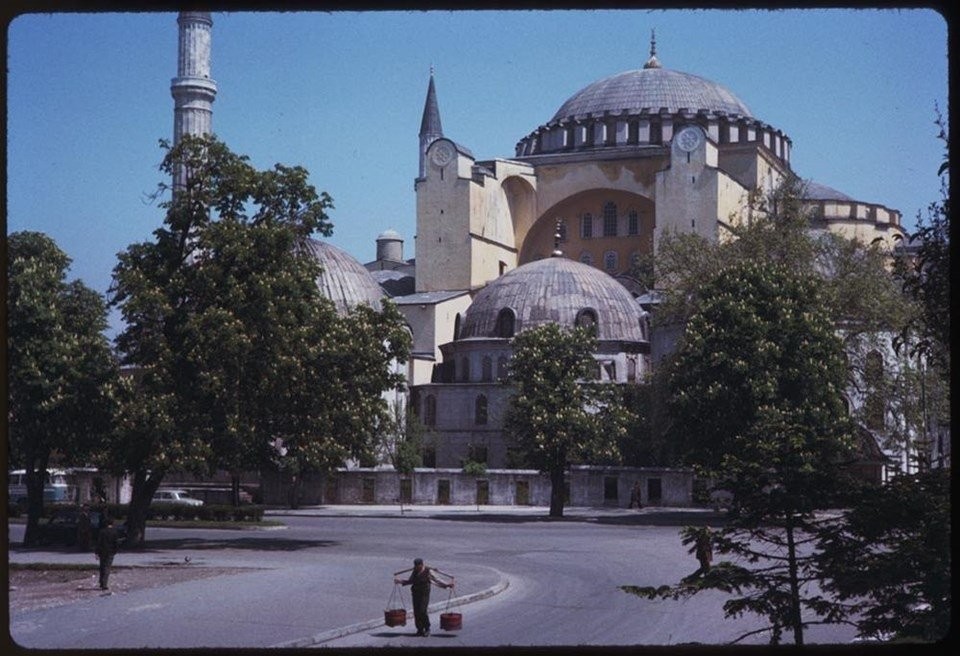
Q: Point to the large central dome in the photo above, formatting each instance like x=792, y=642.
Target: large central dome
x=651, y=88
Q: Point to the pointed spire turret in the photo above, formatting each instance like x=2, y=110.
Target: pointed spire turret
x=430, y=127
x=653, y=62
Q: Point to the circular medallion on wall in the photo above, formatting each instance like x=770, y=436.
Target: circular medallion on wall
x=689, y=139
x=442, y=153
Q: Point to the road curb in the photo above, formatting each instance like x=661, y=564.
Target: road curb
x=333, y=634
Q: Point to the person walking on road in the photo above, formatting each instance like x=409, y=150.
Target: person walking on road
x=106, y=550
x=420, y=579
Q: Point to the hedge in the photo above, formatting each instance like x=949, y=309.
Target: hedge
x=166, y=511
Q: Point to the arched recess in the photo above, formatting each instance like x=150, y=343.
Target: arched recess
x=522, y=204
x=539, y=240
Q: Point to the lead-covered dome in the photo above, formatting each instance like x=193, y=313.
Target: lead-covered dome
x=343, y=279
x=651, y=89
x=554, y=290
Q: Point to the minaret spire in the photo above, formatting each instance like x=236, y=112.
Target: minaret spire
x=653, y=62
x=193, y=90
x=430, y=127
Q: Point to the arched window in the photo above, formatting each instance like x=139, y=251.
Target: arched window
x=506, y=323
x=633, y=223
x=609, y=219
x=586, y=258
x=610, y=261
x=587, y=318
x=486, y=373
x=465, y=369
x=586, y=226
x=480, y=410
x=502, y=367
x=430, y=410
x=456, y=327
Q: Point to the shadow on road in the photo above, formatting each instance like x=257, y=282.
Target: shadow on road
x=251, y=544
x=666, y=518
x=406, y=634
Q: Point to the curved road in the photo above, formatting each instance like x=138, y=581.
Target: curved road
x=323, y=572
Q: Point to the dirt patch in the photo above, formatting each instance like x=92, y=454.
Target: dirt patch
x=45, y=588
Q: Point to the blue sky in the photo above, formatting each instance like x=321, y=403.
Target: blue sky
x=342, y=94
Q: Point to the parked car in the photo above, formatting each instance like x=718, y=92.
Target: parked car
x=181, y=497
x=61, y=528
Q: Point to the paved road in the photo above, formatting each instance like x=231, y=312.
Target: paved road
x=325, y=580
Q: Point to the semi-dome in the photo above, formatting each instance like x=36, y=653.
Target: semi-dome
x=651, y=89
x=343, y=279
x=554, y=290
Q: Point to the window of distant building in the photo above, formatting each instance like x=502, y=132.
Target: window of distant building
x=480, y=410
x=609, y=219
x=502, y=367
x=610, y=261
x=486, y=369
x=633, y=223
x=465, y=369
x=506, y=323
x=586, y=226
x=587, y=318
x=430, y=410
x=586, y=258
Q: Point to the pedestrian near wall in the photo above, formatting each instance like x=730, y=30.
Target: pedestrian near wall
x=420, y=580
x=84, y=530
x=106, y=550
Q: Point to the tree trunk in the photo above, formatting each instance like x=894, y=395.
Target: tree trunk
x=557, y=491
x=141, y=495
x=795, y=616
x=235, y=488
x=294, y=492
x=35, y=475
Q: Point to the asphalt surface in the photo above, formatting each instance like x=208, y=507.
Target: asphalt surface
x=323, y=599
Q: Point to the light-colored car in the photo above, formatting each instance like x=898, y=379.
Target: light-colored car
x=181, y=497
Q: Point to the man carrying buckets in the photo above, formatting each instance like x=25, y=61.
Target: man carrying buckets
x=420, y=579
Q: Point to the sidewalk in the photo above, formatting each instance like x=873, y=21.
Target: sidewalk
x=440, y=511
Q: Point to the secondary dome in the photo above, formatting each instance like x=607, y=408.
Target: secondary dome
x=555, y=290
x=343, y=279
x=651, y=89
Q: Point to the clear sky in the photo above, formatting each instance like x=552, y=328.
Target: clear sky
x=342, y=94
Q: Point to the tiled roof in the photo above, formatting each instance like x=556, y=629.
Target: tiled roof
x=555, y=290
x=651, y=89
x=343, y=280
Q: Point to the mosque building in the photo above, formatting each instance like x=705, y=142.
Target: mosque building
x=550, y=233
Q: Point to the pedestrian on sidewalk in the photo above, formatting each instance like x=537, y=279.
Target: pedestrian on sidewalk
x=106, y=550
x=420, y=579
x=84, y=529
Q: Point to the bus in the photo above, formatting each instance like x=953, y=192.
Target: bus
x=55, y=488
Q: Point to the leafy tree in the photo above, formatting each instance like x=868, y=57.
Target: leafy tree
x=556, y=416
x=926, y=275
x=889, y=557
x=61, y=370
x=756, y=389
x=230, y=345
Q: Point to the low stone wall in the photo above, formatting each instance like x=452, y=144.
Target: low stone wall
x=587, y=486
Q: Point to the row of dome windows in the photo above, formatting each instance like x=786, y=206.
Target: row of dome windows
x=653, y=131
x=611, y=224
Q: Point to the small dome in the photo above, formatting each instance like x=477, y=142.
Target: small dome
x=344, y=280
x=555, y=290
x=651, y=88
x=816, y=191
x=389, y=235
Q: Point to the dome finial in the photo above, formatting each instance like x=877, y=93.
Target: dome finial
x=653, y=62
x=557, y=236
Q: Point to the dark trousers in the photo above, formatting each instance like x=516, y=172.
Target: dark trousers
x=421, y=599
x=106, y=560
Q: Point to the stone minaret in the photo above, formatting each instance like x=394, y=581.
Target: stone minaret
x=193, y=91
x=430, y=128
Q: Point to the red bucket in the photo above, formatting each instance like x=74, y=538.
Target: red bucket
x=451, y=621
x=395, y=617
